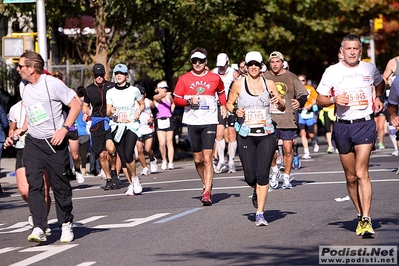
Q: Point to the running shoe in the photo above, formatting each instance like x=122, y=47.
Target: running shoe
x=395, y=153
x=48, y=231
x=102, y=174
x=260, y=220
x=381, y=146
x=37, y=235
x=330, y=150
x=281, y=168
x=79, y=177
x=115, y=179
x=30, y=220
x=129, y=191
x=255, y=199
x=367, y=227
x=137, y=188
x=108, y=184
x=170, y=166
x=221, y=167
x=296, y=164
x=145, y=171
x=273, y=181
x=206, y=198
x=164, y=165
x=154, y=165
x=316, y=147
x=287, y=185
x=66, y=233
x=397, y=172
x=232, y=168
x=215, y=162
x=306, y=156
x=359, y=228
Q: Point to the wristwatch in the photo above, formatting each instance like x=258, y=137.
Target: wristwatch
x=65, y=126
x=379, y=97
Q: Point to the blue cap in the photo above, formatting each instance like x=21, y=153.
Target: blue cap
x=120, y=68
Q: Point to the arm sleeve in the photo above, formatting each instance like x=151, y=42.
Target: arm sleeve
x=221, y=94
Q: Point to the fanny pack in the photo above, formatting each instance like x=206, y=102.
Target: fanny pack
x=244, y=130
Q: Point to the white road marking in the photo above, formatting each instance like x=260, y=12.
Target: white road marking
x=8, y=249
x=47, y=251
x=133, y=222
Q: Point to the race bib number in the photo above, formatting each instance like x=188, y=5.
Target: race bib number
x=255, y=117
x=357, y=98
x=122, y=116
x=37, y=114
x=274, y=110
x=163, y=123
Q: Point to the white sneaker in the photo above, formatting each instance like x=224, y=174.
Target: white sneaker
x=145, y=171
x=154, y=165
x=137, y=188
x=66, y=232
x=129, y=191
x=273, y=181
x=79, y=177
x=37, y=235
x=170, y=166
x=30, y=220
x=164, y=165
x=232, y=168
x=395, y=153
x=316, y=147
x=306, y=156
x=102, y=174
x=48, y=231
x=221, y=167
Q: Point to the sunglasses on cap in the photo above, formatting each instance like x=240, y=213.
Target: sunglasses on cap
x=120, y=73
x=197, y=60
x=254, y=63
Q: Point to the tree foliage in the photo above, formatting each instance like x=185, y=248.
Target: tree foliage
x=155, y=36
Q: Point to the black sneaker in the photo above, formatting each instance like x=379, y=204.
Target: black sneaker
x=115, y=182
x=108, y=184
x=255, y=200
x=115, y=179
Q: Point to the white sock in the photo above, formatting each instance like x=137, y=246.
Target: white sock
x=394, y=143
x=275, y=169
x=220, y=146
x=306, y=151
x=286, y=179
x=232, y=151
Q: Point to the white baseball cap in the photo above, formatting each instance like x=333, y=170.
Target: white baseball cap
x=222, y=60
x=253, y=56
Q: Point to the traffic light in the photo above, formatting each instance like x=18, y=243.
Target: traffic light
x=378, y=23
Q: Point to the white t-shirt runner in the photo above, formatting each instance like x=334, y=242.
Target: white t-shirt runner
x=357, y=83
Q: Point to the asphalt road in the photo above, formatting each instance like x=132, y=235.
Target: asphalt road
x=167, y=224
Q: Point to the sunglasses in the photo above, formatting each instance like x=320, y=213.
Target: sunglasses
x=254, y=63
x=197, y=60
x=96, y=76
x=21, y=66
x=119, y=73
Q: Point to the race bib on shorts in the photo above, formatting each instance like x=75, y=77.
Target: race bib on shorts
x=164, y=123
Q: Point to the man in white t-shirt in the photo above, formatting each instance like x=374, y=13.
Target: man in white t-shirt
x=349, y=85
x=228, y=75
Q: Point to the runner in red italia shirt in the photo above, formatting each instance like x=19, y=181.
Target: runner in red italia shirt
x=196, y=91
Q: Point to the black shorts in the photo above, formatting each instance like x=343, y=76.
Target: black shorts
x=72, y=135
x=19, y=162
x=202, y=137
x=99, y=137
x=143, y=138
x=231, y=120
